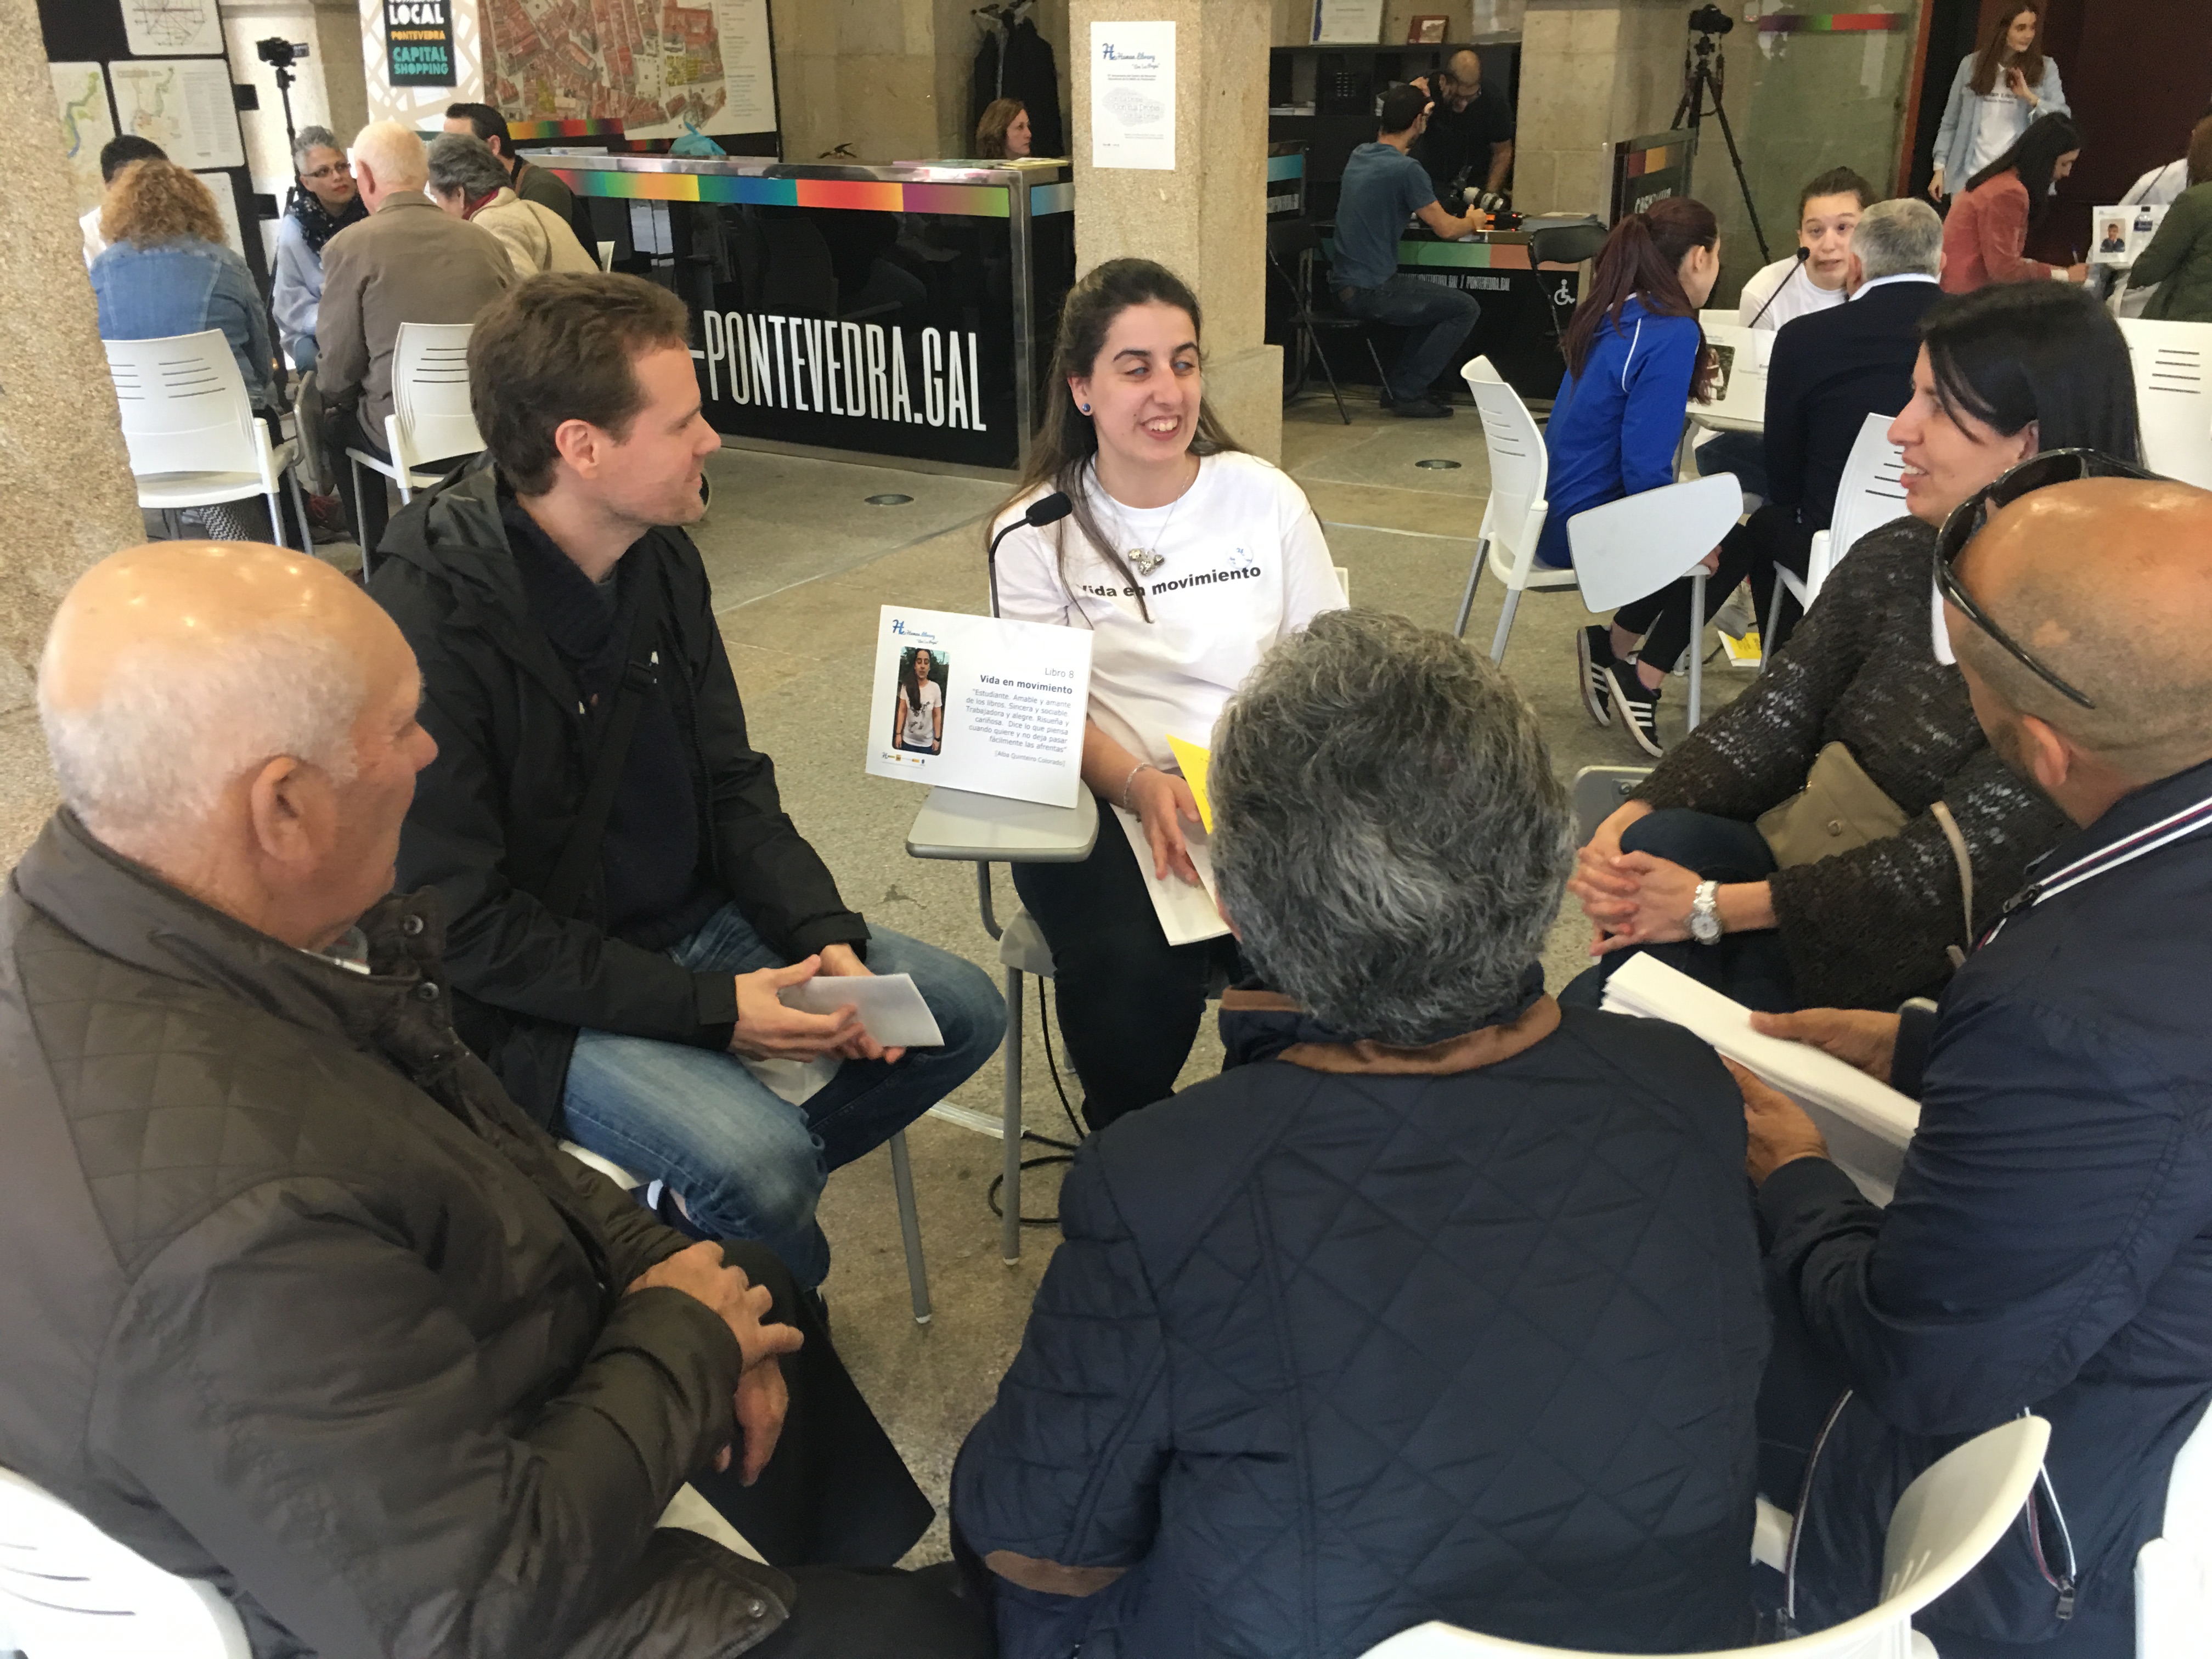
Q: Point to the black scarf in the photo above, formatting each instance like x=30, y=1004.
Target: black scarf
x=317, y=222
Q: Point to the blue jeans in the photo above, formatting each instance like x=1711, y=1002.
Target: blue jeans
x=747, y=1164
x=1446, y=315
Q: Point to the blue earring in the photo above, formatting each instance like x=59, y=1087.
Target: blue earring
x=1086, y=408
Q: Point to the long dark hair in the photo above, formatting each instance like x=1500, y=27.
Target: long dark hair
x=1643, y=258
x=1067, y=443
x=2033, y=155
x=2016, y=352
x=1991, y=57
x=910, y=676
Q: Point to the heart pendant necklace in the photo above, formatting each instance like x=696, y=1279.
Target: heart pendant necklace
x=1145, y=559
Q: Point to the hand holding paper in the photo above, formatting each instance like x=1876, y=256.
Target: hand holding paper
x=890, y=1006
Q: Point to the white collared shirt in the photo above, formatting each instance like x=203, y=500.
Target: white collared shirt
x=1901, y=277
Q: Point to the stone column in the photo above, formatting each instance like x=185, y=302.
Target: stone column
x=1206, y=220
x=1591, y=75
x=66, y=496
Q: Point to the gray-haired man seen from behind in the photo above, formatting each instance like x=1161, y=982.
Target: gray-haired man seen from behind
x=1831, y=370
x=298, y=1302
x=1441, y=1301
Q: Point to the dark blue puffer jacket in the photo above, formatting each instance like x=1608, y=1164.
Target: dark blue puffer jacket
x=1350, y=1337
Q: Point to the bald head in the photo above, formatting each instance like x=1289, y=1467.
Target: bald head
x=2108, y=582
x=388, y=158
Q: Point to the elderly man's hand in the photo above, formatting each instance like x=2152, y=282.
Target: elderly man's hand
x=700, y=1274
x=761, y=1401
x=1778, y=1129
x=1857, y=1037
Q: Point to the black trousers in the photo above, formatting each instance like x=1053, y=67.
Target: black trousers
x=1770, y=537
x=370, y=510
x=859, y=1612
x=1129, y=1001
x=1751, y=968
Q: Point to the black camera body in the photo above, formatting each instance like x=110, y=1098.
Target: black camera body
x=1710, y=19
x=278, y=53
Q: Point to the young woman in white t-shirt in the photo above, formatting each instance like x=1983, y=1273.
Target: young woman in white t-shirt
x=1187, y=558
x=919, y=722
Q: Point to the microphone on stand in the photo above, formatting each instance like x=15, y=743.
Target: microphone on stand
x=1051, y=509
x=1804, y=254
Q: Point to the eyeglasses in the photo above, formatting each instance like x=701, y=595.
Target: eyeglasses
x=336, y=170
x=2055, y=466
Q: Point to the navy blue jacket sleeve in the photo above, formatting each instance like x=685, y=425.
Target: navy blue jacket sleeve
x=2046, y=1190
x=1065, y=1466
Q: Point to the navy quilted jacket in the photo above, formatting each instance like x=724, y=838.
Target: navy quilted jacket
x=1328, y=1353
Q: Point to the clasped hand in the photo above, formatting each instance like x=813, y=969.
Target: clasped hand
x=767, y=1030
x=763, y=1397
x=1633, y=898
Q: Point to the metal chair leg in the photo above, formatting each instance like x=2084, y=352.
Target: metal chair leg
x=1328, y=373
x=1382, y=374
x=1697, y=647
x=917, y=1271
x=1467, y=599
x=299, y=505
x=361, y=514
x=1009, y=1188
x=1504, y=624
x=276, y=520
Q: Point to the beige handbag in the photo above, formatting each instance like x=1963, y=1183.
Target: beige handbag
x=1841, y=809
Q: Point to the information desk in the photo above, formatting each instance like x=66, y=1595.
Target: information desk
x=896, y=311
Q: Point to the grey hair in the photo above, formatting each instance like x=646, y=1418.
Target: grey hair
x=462, y=162
x=172, y=729
x=1901, y=237
x=311, y=139
x=1388, y=834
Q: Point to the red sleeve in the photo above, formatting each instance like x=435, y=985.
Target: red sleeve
x=2004, y=234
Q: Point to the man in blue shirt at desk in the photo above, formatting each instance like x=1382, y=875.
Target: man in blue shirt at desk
x=1382, y=186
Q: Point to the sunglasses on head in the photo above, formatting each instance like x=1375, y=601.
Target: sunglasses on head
x=2054, y=466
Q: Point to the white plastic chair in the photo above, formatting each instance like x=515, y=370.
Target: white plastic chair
x=191, y=429
x=1636, y=546
x=1520, y=467
x=2174, y=1571
x=1870, y=493
x=984, y=831
x=70, y=1591
x=1947, y=1521
x=431, y=418
x=2172, y=366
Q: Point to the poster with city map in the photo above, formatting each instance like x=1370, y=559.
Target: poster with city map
x=654, y=65
x=172, y=29
x=80, y=91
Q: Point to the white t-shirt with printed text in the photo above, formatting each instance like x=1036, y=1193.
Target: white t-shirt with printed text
x=1245, y=565
x=921, y=716
x=1800, y=295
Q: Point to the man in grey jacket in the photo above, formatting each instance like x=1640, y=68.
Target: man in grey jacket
x=299, y=1302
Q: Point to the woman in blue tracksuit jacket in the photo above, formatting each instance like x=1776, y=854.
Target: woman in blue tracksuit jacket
x=1994, y=96
x=1635, y=356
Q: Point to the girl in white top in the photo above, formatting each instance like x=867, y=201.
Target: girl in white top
x=1997, y=93
x=1828, y=212
x=919, y=721
x=1187, y=559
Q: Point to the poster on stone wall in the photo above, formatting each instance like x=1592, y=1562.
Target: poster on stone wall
x=418, y=42
x=1132, y=95
x=657, y=66
x=184, y=105
x=87, y=122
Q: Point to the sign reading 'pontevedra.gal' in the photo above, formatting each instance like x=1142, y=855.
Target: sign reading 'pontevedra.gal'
x=418, y=42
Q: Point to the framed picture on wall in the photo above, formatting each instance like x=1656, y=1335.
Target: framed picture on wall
x=1427, y=29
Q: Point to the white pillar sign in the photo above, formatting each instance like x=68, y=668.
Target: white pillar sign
x=975, y=704
x=1132, y=95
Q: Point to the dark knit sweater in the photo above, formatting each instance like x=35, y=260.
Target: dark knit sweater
x=1868, y=928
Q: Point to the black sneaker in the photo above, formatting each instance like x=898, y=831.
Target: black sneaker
x=1639, y=708
x=1593, y=656
x=1419, y=408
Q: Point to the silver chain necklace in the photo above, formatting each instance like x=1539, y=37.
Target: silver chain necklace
x=1143, y=560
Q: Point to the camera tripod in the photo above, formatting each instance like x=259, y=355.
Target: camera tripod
x=1705, y=66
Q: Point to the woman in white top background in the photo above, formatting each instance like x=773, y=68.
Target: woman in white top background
x=919, y=723
x=1811, y=279
x=1996, y=94
x=1187, y=558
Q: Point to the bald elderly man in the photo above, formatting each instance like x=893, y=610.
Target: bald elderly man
x=297, y=1301
x=2050, y=1246
x=406, y=262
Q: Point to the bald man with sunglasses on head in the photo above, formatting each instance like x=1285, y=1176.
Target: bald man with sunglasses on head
x=2050, y=1245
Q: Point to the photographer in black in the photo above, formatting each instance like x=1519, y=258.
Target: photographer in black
x=1470, y=136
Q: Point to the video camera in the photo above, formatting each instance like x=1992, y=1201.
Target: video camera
x=280, y=53
x=1710, y=19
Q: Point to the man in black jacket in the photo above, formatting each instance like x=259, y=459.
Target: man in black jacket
x=1831, y=370
x=2050, y=1246
x=627, y=895
x=297, y=1302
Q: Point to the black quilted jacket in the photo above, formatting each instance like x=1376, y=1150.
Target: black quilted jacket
x=1328, y=1354
x=296, y=1301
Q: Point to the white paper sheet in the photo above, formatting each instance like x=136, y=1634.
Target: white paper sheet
x=182, y=103
x=1868, y=1124
x=1132, y=95
x=1187, y=914
x=172, y=29
x=891, y=1007
x=87, y=122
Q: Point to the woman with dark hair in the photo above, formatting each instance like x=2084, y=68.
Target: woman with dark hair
x=2178, y=261
x=1636, y=356
x=1829, y=838
x=918, y=722
x=1986, y=234
x=1003, y=134
x=1185, y=558
x=1997, y=92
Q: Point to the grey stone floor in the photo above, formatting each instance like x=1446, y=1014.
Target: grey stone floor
x=801, y=561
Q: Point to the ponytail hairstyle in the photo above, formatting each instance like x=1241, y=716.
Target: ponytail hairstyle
x=1989, y=63
x=1643, y=258
x=1067, y=442
x=2034, y=155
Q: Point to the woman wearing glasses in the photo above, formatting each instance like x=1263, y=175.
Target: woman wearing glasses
x=325, y=203
x=1828, y=838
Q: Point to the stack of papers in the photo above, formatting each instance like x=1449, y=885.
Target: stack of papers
x=1868, y=1124
x=1187, y=914
x=891, y=1007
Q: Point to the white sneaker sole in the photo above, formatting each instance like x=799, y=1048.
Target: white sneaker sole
x=1647, y=741
x=1593, y=689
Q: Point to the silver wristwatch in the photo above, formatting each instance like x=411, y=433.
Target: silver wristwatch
x=1705, y=914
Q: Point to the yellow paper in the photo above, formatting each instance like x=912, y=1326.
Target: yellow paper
x=1193, y=760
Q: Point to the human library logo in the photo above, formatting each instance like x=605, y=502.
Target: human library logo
x=919, y=636
x=1114, y=54
x=818, y=365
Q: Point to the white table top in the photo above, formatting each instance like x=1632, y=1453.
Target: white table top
x=954, y=824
